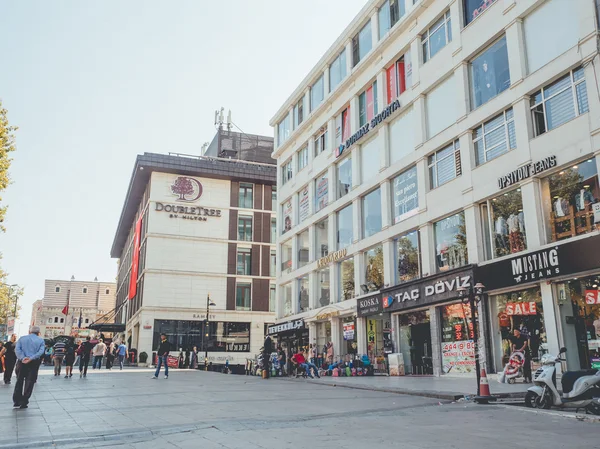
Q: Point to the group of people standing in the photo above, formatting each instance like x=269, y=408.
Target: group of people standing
x=303, y=359
x=87, y=350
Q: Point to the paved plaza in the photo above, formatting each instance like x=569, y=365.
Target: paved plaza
x=127, y=409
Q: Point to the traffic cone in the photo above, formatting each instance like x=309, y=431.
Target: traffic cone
x=485, y=396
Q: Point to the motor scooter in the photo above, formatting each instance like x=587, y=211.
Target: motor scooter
x=580, y=389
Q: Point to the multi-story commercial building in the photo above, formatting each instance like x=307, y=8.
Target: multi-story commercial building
x=84, y=302
x=194, y=226
x=437, y=144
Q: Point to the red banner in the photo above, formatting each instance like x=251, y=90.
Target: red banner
x=391, y=84
x=591, y=297
x=346, y=124
x=135, y=259
x=401, y=76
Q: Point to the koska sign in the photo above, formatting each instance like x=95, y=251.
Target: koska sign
x=288, y=326
x=333, y=257
x=369, y=306
x=364, y=130
x=526, y=171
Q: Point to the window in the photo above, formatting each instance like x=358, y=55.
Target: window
x=272, y=297
x=444, y=165
x=402, y=141
x=302, y=158
x=303, y=246
x=373, y=270
x=399, y=77
x=283, y=130
x=87, y=320
x=317, y=93
x=573, y=192
x=321, y=143
x=287, y=299
x=56, y=319
x=405, y=194
x=441, y=105
x=370, y=160
x=451, y=242
x=244, y=228
x=362, y=44
x=57, y=289
x=273, y=263
x=273, y=230
x=107, y=291
x=242, y=297
x=495, y=137
x=324, y=287
x=342, y=129
x=344, y=177
x=345, y=232
x=287, y=173
x=437, y=37
x=473, y=8
x=244, y=262
x=367, y=105
x=322, y=236
x=346, y=273
x=559, y=102
x=408, y=257
x=337, y=70
x=49, y=320
x=246, y=197
x=489, y=73
x=389, y=13
x=504, y=225
x=286, y=209
x=62, y=320
x=299, y=113
x=371, y=204
x=303, y=305
x=286, y=256
x=85, y=290
x=321, y=192
x=273, y=197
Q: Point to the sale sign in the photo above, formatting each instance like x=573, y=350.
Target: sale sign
x=591, y=297
x=521, y=308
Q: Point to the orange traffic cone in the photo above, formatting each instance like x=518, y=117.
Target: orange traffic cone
x=485, y=396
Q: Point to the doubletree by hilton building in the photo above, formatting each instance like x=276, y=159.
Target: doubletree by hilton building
x=193, y=226
x=438, y=144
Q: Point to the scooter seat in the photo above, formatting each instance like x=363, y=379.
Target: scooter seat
x=570, y=377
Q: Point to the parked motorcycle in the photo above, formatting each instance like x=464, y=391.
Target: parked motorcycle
x=580, y=389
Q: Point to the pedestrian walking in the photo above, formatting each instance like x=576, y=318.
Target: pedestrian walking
x=122, y=352
x=84, y=357
x=267, y=350
x=1, y=357
x=110, y=355
x=69, y=360
x=59, y=350
x=98, y=353
x=163, y=356
x=29, y=350
x=194, y=358
x=10, y=358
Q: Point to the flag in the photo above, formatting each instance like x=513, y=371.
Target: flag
x=65, y=310
x=80, y=318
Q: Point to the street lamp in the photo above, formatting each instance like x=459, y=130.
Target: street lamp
x=208, y=304
x=472, y=295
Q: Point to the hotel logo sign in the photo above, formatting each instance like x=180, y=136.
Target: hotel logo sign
x=186, y=189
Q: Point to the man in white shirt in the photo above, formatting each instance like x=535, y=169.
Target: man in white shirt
x=98, y=353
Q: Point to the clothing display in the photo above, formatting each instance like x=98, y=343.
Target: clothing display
x=583, y=198
x=561, y=207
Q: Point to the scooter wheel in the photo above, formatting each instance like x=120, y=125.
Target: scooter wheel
x=593, y=408
x=534, y=400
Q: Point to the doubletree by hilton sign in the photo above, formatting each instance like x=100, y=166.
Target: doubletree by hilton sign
x=187, y=190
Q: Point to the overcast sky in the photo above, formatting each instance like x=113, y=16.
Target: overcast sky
x=93, y=84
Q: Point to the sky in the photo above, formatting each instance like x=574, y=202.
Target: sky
x=93, y=84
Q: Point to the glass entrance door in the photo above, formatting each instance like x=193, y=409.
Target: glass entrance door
x=415, y=342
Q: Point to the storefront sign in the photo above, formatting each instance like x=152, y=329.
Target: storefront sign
x=195, y=213
x=287, y=326
x=369, y=306
x=592, y=297
x=526, y=171
x=303, y=201
x=348, y=331
x=364, y=130
x=431, y=290
x=326, y=316
x=287, y=216
x=332, y=257
x=458, y=357
x=406, y=195
x=521, y=308
x=568, y=258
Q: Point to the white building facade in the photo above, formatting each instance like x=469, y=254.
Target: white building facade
x=438, y=144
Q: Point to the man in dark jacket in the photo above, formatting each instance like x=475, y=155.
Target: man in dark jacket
x=163, y=355
x=267, y=350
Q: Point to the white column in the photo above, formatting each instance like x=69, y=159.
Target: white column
x=523, y=131
x=386, y=204
x=416, y=54
x=333, y=183
x=356, y=171
x=457, y=19
x=312, y=244
x=357, y=220
x=535, y=225
x=383, y=145
x=473, y=227
x=550, y=321
x=427, y=250
x=381, y=88
x=336, y=331
x=294, y=242
x=359, y=273
x=422, y=179
x=311, y=153
x=313, y=293
x=461, y=75
x=330, y=136
x=420, y=121
x=334, y=283
x=361, y=335
x=436, y=338
x=389, y=263
x=515, y=43
x=354, y=116
x=312, y=334
x=332, y=231
x=295, y=292
x=592, y=84
x=311, y=195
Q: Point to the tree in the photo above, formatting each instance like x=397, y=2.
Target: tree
x=7, y=145
x=182, y=187
x=9, y=297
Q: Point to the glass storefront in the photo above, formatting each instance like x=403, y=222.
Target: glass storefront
x=451, y=242
x=407, y=257
x=504, y=225
x=345, y=232
x=458, y=349
x=414, y=333
x=223, y=336
x=379, y=340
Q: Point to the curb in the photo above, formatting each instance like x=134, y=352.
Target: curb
x=559, y=413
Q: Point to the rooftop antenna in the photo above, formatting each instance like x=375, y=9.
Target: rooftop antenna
x=229, y=122
x=219, y=118
x=204, y=148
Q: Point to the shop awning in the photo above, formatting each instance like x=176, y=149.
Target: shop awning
x=108, y=327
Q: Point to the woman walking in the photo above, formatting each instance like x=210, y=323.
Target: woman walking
x=69, y=361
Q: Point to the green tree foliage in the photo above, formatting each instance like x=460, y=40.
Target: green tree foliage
x=7, y=146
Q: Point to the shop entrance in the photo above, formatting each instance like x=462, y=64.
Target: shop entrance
x=415, y=342
x=379, y=341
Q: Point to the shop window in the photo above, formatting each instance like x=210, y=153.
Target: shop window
x=573, y=192
x=287, y=172
x=345, y=232
x=362, y=44
x=303, y=245
x=87, y=321
x=489, y=73
x=367, y=105
x=303, y=294
x=273, y=197
x=246, y=197
x=287, y=299
x=244, y=262
x=242, y=296
x=286, y=212
x=408, y=257
x=494, y=137
x=371, y=213
x=322, y=237
x=451, y=242
x=273, y=263
x=337, y=70
x=217, y=336
x=402, y=142
x=414, y=333
x=437, y=37
x=272, y=297
x=373, y=270
x=389, y=14
x=405, y=194
x=458, y=349
x=303, y=204
x=244, y=228
x=346, y=276
x=441, y=107
x=321, y=141
x=559, y=102
x=273, y=230
x=324, y=287
x=504, y=224
x=299, y=113
x=399, y=77
x=444, y=165
x=286, y=256
x=283, y=130
x=302, y=158
x=473, y=8
x=321, y=192
x=317, y=93
x=344, y=177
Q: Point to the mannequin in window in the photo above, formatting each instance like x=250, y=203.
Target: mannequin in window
x=515, y=238
x=561, y=207
x=456, y=256
x=485, y=83
x=501, y=233
x=584, y=198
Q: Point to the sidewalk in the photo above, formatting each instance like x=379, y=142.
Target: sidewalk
x=445, y=387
